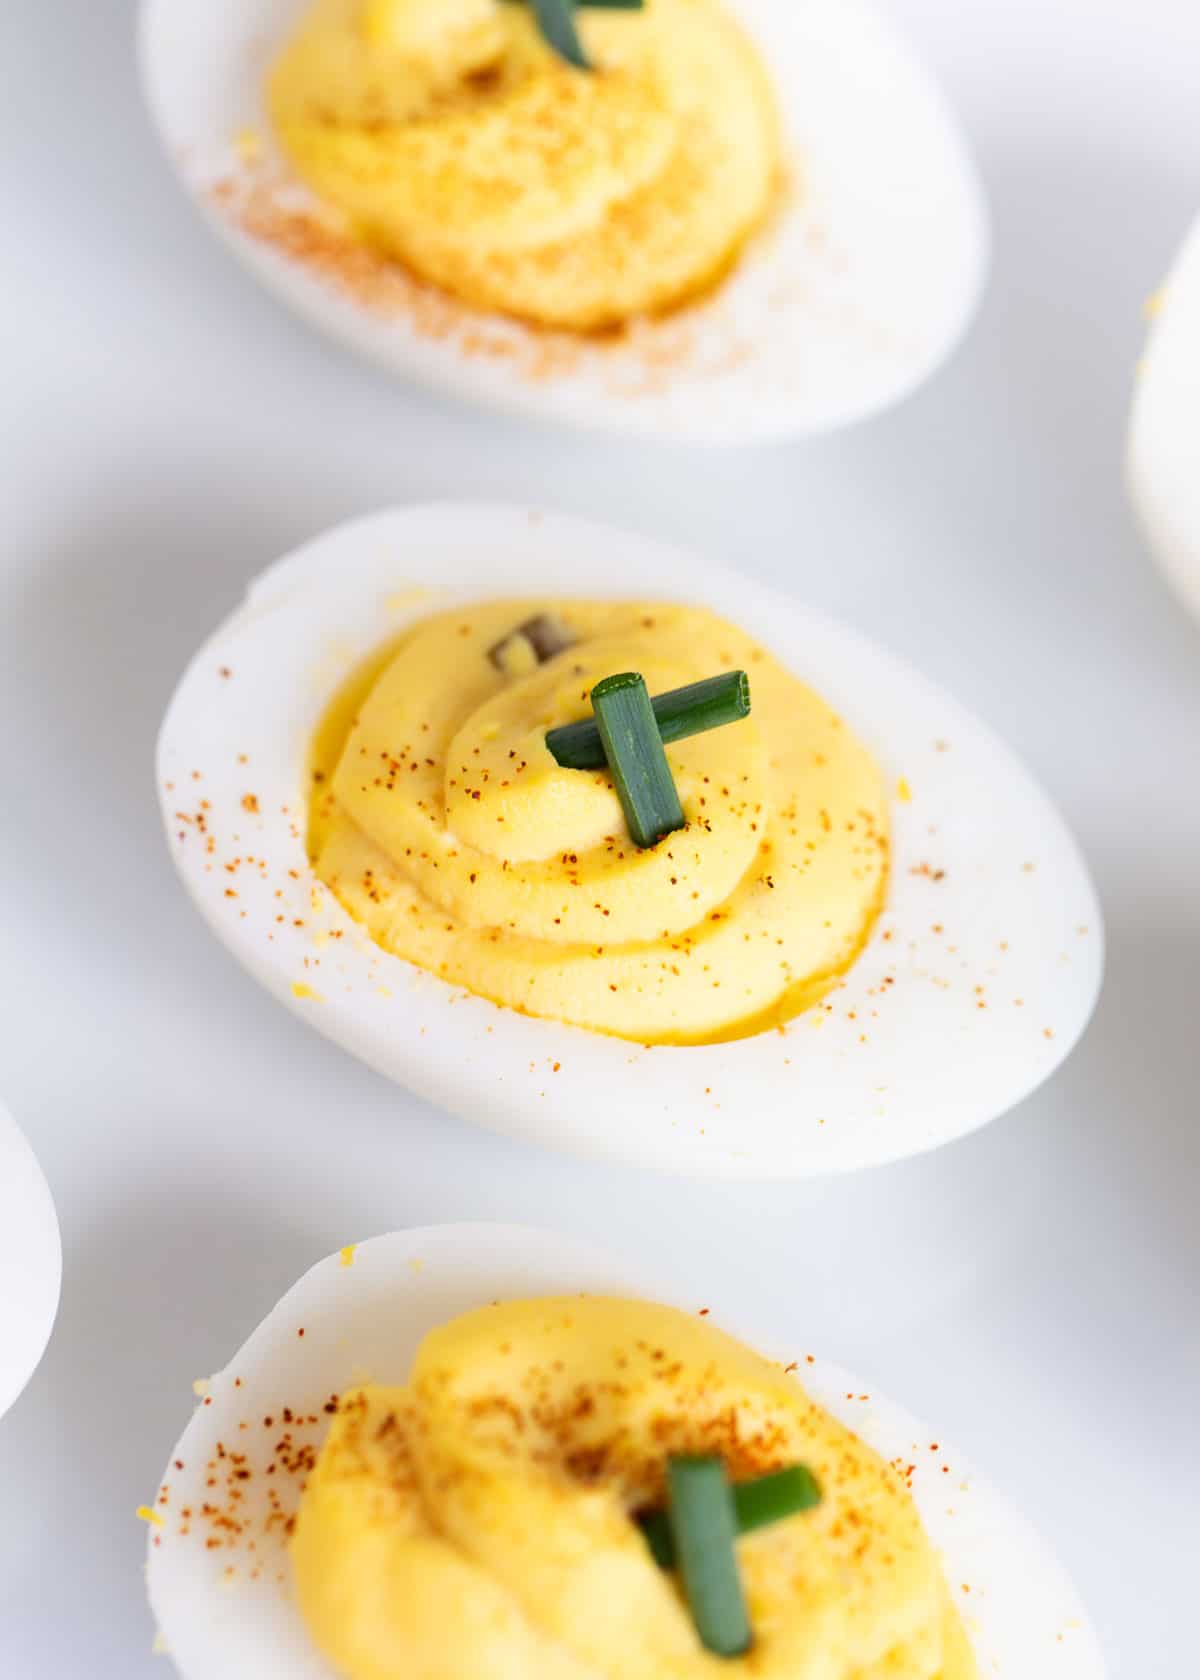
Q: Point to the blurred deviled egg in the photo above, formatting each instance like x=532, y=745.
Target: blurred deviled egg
x=30, y=1261
x=484, y=1450
x=1164, y=434
x=715, y=219
x=630, y=856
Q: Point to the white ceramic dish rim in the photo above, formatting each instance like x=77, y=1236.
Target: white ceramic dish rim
x=364, y=1321
x=864, y=286
x=780, y=1104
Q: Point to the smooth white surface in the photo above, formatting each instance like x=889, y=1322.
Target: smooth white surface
x=1164, y=426
x=30, y=1261
x=167, y=431
x=863, y=284
x=923, y=1040
x=229, y=1614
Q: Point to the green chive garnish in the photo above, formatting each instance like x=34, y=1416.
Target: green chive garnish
x=680, y=712
x=656, y=1531
x=556, y=20
x=763, y=1500
x=769, y=1499
x=702, y=1527
x=634, y=751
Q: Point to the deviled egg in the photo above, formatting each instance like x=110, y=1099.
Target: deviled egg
x=474, y=1450
x=1165, y=426
x=716, y=219
x=863, y=932
x=30, y=1261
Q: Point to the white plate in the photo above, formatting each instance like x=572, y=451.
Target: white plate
x=853, y=298
x=30, y=1261
x=228, y=1610
x=980, y=975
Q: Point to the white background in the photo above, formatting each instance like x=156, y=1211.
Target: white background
x=166, y=431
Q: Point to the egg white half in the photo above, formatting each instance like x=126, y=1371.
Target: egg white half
x=861, y=287
x=226, y=1611
x=979, y=977
x=1164, y=430
x=30, y=1261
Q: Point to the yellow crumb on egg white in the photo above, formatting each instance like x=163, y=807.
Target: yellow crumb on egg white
x=248, y=144
x=300, y=989
x=147, y=1514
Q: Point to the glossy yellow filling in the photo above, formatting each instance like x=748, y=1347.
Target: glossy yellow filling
x=451, y=136
x=477, y=1522
x=443, y=824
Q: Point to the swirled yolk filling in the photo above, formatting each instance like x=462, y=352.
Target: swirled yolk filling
x=444, y=825
x=479, y=1520
x=451, y=137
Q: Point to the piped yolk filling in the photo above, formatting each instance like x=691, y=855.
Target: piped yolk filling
x=443, y=824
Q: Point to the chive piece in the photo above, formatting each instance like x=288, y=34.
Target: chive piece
x=691, y=710
x=636, y=760
x=769, y=1499
x=545, y=634
x=702, y=1526
x=556, y=20
x=762, y=1500
x=656, y=1531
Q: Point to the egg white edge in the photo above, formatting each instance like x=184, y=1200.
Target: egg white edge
x=850, y=301
x=363, y=1313
x=30, y=1261
x=781, y=1104
x=1164, y=426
